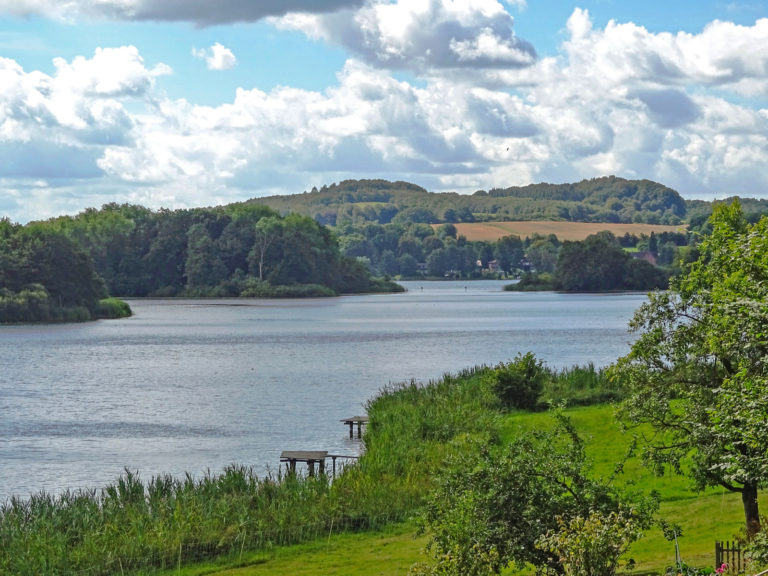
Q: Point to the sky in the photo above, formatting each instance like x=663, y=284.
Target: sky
x=192, y=103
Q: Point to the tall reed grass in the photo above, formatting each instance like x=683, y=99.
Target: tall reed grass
x=580, y=386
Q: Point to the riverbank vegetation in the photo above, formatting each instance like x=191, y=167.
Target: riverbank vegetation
x=47, y=277
x=437, y=449
x=135, y=525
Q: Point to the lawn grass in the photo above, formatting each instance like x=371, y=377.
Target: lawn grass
x=704, y=517
x=389, y=552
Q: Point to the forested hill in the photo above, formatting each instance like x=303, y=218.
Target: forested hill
x=607, y=199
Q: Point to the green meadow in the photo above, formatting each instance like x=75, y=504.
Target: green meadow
x=703, y=517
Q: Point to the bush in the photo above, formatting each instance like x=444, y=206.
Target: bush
x=532, y=282
x=592, y=545
x=519, y=383
x=757, y=547
x=255, y=288
x=113, y=308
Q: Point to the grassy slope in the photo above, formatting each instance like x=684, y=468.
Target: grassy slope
x=387, y=553
x=703, y=517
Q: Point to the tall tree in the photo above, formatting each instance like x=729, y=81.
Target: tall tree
x=267, y=230
x=698, y=372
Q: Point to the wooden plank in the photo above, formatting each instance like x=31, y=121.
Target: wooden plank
x=303, y=455
x=355, y=420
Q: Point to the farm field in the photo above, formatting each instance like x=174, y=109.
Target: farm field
x=492, y=231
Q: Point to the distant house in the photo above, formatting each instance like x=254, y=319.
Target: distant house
x=493, y=266
x=421, y=268
x=647, y=255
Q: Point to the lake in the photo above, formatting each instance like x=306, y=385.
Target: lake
x=194, y=385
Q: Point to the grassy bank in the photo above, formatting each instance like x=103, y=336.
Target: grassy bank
x=361, y=523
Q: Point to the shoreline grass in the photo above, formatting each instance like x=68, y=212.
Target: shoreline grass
x=183, y=525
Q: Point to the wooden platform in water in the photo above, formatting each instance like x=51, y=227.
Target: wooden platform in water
x=311, y=458
x=356, y=420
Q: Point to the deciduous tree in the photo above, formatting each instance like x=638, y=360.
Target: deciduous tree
x=698, y=372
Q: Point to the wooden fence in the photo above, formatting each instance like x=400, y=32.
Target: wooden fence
x=729, y=553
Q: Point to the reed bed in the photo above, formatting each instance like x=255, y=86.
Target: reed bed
x=579, y=386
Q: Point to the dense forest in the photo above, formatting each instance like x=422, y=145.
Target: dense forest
x=226, y=251
x=606, y=199
x=60, y=269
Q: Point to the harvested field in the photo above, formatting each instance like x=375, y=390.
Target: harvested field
x=492, y=231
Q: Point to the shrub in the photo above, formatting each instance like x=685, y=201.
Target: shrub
x=520, y=382
x=592, y=545
x=113, y=308
x=757, y=547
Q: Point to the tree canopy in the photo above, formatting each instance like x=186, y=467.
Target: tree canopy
x=698, y=371
x=45, y=276
x=599, y=264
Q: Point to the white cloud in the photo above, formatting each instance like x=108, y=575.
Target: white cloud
x=217, y=57
x=422, y=35
x=54, y=128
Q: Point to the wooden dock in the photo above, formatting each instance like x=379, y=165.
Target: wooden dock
x=358, y=421
x=311, y=458
x=317, y=458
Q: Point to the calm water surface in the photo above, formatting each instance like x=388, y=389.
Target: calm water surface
x=190, y=385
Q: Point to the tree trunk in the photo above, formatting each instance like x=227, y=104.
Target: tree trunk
x=751, y=512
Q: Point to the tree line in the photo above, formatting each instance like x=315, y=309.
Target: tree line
x=72, y=262
x=599, y=263
x=46, y=277
x=605, y=199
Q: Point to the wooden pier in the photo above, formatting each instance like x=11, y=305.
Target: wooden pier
x=317, y=458
x=311, y=458
x=356, y=420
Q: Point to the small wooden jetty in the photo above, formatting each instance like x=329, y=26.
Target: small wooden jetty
x=317, y=458
x=356, y=420
x=311, y=458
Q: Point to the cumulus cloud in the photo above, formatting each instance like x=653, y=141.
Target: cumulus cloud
x=200, y=12
x=616, y=100
x=54, y=128
x=217, y=57
x=423, y=35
